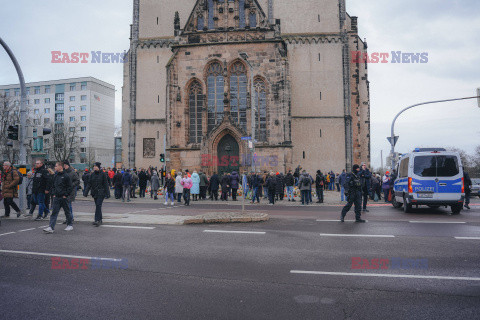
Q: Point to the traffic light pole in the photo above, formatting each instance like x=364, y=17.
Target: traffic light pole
x=23, y=121
x=392, y=137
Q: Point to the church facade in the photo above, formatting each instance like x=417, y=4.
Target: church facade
x=223, y=85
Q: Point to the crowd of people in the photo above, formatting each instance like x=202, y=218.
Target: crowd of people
x=51, y=189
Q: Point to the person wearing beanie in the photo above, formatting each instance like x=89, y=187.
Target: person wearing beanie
x=353, y=191
x=100, y=190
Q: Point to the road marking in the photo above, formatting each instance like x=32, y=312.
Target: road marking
x=338, y=220
x=26, y=230
x=436, y=221
x=384, y=275
x=57, y=255
x=357, y=235
x=467, y=238
x=43, y=227
x=127, y=227
x=4, y=234
x=245, y=232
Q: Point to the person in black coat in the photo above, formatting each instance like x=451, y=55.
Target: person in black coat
x=319, y=184
x=143, y=178
x=271, y=185
x=117, y=184
x=365, y=178
x=100, y=191
x=214, y=186
x=280, y=186
x=468, y=189
x=226, y=180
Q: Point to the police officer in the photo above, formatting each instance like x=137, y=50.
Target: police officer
x=353, y=191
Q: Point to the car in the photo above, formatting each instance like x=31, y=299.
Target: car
x=429, y=177
x=475, y=189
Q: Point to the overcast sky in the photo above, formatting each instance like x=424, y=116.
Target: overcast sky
x=448, y=30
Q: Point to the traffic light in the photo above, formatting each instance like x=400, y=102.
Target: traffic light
x=164, y=173
x=162, y=157
x=12, y=132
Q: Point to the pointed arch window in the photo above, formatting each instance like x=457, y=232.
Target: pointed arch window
x=200, y=23
x=238, y=94
x=241, y=13
x=261, y=109
x=211, y=24
x=215, y=87
x=195, y=105
x=253, y=20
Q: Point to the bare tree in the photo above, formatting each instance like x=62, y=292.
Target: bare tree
x=66, y=141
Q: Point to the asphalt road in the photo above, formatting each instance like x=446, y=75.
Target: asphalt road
x=292, y=267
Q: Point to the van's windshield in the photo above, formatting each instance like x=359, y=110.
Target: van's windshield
x=436, y=166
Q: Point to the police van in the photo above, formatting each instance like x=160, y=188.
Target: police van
x=431, y=177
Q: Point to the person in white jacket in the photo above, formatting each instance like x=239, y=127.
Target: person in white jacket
x=178, y=186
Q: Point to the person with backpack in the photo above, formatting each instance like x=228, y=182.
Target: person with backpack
x=305, y=185
x=11, y=179
x=100, y=191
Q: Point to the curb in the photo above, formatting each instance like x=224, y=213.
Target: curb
x=229, y=218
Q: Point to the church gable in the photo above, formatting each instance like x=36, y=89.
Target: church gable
x=226, y=15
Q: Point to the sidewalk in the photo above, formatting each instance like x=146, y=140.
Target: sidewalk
x=331, y=198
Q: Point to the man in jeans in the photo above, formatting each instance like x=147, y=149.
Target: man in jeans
x=41, y=185
x=10, y=182
x=341, y=181
x=289, y=182
x=62, y=188
x=305, y=185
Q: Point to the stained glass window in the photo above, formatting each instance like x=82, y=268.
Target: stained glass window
x=241, y=13
x=215, y=85
x=211, y=24
x=261, y=110
x=253, y=20
x=195, y=104
x=238, y=94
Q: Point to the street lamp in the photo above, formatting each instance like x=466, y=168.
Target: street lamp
x=23, y=120
x=244, y=56
x=393, y=139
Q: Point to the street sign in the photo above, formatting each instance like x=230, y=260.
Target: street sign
x=246, y=138
x=390, y=140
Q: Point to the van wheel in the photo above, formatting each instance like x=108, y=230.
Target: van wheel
x=407, y=208
x=396, y=205
x=457, y=208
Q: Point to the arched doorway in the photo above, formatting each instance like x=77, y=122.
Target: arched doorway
x=228, y=155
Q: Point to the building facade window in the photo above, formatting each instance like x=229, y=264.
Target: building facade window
x=83, y=129
x=73, y=87
x=36, y=122
x=200, y=23
x=83, y=139
x=241, y=14
x=215, y=85
x=59, y=107
x=72, y=109
x=83, y=108
x=72, y=98
x=47, y=100
x=46, y=121
x=59, y=117
x=84, y=87
x=261, y=109
x=83, y=118
x=47, y=89
x=83, y=98
x=238, y=94
x=59, y=97
x=195, y=106
x=36, y=111
x=253, y=20
x=37, y=91
x=36, y=101
x=211, y=23
x=17, y=93
x=72, y=119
